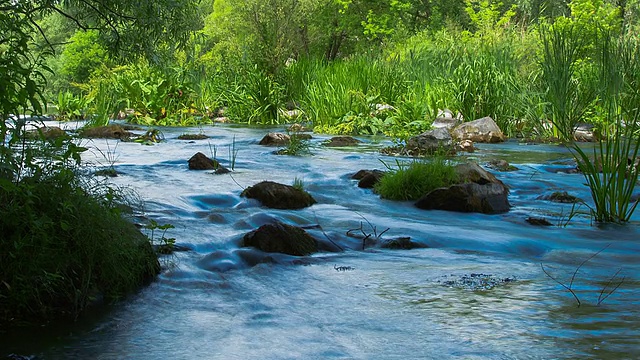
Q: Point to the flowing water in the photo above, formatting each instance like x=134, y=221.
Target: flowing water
x=219, y=301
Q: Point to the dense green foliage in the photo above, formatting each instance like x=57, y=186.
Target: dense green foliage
x=363, y=67
x=410, y=181
x=65, y=243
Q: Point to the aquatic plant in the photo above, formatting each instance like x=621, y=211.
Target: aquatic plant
x=611, y=168
x=298, y=145
x=163, y=244
x=298, y=183
x=410, y=181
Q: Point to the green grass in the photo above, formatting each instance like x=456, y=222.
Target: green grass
x=410, y=181
x=65, y=242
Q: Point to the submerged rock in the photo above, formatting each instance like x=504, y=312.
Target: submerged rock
x=46, y=132
x=401, y=243
x=478, y=191
x=281, y=238
x=275, y=139
x=538, y=221
x=342, y=141
x=475, y=281
x=106, y=132
x=279, y=196
x=483, y=130
x=501, y=165
x=192, y=137
x=560, y=197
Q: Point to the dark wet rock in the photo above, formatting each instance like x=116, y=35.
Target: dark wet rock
x=483, y=130
x=585, y=132
x=341, y=141
x=401, y=243
x=275, y=139
x=430, y=141
x=281, y=238
x=478, y=191
x=538, y=221
x=501, y=165
x=192, y=137
x=468, y=197
x=279, y=196
x=368, y=178
x=475, y=281
x=106, y=132
x=200, y=161
x=560, y=197
x=46, y=132
x=221, y=170
x=448, y=123
x=110, y=172
x=465, y=146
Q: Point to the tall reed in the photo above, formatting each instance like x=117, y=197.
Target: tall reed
x=567, y=100
x=611, y=170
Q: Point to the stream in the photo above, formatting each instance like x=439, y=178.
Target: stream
x=476, y=291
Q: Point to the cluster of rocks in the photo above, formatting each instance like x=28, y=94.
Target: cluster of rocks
x=450, y=135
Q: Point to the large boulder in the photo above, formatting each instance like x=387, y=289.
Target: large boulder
x=430, y=141
x=281, y=238
x=478, y=191
x=275, y=139
x=483, y=130
x=279, y=196
x=200, y=161
x=106, y=132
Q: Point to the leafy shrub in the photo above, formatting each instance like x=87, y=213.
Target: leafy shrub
x=65, y=242
x=70, y=106
x=82, y=56
x=410, y=181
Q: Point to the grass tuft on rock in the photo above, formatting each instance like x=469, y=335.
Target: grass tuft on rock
x=412, y=180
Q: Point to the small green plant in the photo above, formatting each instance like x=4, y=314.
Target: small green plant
x=163, y=244
x=233, y=154
x=297, y=146
x=410, y=181
x=298, y=183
